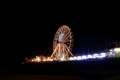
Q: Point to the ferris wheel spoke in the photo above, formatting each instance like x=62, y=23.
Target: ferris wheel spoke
x=55, y=50
x=67, y=33
x=61, y=30
x=67, y=41
x=67, y=38
x=68, y=50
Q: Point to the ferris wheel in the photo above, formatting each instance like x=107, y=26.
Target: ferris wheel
x=62, y=43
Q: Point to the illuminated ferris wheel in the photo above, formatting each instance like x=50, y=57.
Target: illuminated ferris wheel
x=62, y=43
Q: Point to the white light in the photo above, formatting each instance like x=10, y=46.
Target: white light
x=102, y=55
x=61, y=37
x=95, y=55
x=83, y=57
x=79, y=58
x=111, y=53
x=111, y=50
x=62, y=59
x=117, y=50
x=89, y=56
x=75, y=58
x=71, y=58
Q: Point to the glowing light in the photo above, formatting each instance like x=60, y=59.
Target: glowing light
x=75, y=58
x=37, y=59
x=71, y=58
x=79, y=58
x=61, y=37
x=31, y=60
x=62, y=59
x=62, y=44
x=111, y=50
x=89, y=56
x=102, y=55
x=95, y=55
x=117, y=50
x=83, y=57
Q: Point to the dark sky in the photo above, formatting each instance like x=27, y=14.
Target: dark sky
x=94, y=31
x=32, y=33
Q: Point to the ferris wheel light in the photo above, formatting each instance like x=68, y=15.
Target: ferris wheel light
x=62, y=59
x=61, y=37
x=62, y=43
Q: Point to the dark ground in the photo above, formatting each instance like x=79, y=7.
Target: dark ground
x=107, y=69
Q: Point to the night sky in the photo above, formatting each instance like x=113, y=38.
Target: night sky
x=32, y=33
x=94, y=32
